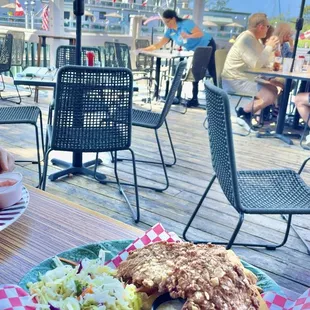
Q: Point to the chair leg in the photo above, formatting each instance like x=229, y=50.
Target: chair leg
x=38, y=154
x=43, y=182
x=18, y=97
x=38, y=162
x=3, y=84
x=231, y=242
x=298, y=234
x=135, y=214
x=237, y=105
x=303, y=135
x=197, y=208
x=204, y=124
x=303, y=165
x=161, y=162
x=172, y=147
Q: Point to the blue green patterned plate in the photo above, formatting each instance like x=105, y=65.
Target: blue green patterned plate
x=91, y=251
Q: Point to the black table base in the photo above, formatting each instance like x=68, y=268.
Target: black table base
x=72, y=169
x=283, y=137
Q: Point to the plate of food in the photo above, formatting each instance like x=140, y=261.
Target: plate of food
x=198, y=275
x=14, y=198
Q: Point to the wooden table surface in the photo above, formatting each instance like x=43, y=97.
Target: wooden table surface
x=49, y=226
x=166, y=54
x=291, y=75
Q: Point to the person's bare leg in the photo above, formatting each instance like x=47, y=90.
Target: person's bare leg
x=265, y=97
x=303, y=106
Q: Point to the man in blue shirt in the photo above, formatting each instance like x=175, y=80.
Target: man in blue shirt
x=185, y=33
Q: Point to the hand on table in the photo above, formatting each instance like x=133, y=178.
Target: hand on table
x=6, y=161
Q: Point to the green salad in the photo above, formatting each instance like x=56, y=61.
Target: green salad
x=89, y=286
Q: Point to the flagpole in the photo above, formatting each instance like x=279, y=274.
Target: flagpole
x=26, y=14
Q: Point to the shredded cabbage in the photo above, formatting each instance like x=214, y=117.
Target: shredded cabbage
x=88, y=286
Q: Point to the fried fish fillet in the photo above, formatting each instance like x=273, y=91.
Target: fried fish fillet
x=207, y=276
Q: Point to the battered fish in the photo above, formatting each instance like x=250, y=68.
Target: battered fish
x=207, y=276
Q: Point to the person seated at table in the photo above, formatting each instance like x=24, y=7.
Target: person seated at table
x=302, y=103
x=249, y=53
x=285, y=32
x=6, y=161
x=269, y=34
x=185, y=32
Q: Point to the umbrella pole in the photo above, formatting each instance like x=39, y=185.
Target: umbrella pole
x=78, y=9
x=298, y=27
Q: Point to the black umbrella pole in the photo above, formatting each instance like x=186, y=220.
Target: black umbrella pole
x=78, y=9
x=298, y=27
x=78, y=45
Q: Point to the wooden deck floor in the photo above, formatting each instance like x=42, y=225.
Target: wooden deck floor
x=289, y=266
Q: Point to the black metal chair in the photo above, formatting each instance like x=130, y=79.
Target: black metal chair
x=25, y=115
x=249, y=192
x=65, y=55
x=118, y=55
x=110, y=57
x=154, y=121
x=6, y=48
x=143, y=62
x=93, y=113
x=18, y=50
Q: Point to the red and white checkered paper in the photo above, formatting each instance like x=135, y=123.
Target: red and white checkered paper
x=154, y=234
x=278, y=302
x=13, y=297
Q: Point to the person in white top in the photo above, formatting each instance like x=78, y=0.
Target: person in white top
x=248, y=53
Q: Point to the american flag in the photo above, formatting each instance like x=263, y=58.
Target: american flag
x=144, y=3
x=19, y=11
x=45, y=20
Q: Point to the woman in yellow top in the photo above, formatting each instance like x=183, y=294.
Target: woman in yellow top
x=186, y=33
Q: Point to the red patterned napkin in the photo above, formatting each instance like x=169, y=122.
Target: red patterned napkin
x=13, y=297
x=154, y=234
x=278, y=302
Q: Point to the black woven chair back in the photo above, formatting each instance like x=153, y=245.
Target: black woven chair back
x=123, y=55
x=141, y=43
x=221, y=142
x=18, y=48
x=65, y=55
x=220, y=58
x=201, y=61
x=6, y=44
x=92, y=109
x=143, y=61
x=110, y=58
x=172, y=91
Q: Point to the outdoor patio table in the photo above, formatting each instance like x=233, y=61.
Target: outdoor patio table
x=165, y=54
x=51, y=225
x=40, y=77
x=289, y=76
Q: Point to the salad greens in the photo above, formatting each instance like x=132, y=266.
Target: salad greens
x=88, y=286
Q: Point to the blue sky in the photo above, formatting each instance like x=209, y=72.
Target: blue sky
x=270, y=7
